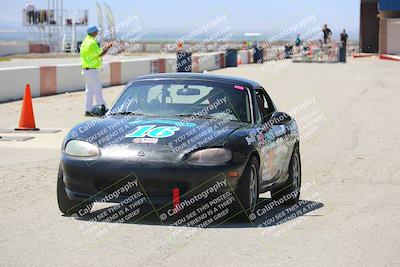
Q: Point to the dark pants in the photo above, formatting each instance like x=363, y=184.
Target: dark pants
x=31, y=17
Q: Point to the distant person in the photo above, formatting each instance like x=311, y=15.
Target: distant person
x=244, y=45
x=30, y=12
x=91, y=61
x=343, y=38
x=298, y=40
x=327, y=33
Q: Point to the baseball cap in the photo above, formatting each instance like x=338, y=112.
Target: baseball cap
x=91, y=29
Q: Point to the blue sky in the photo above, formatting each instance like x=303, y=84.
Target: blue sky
x=173, y=16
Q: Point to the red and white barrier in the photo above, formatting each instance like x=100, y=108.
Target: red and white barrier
x=50, y=80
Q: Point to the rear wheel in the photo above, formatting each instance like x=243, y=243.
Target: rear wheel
x=67, y=206
x=247, y=191
x=290, y=191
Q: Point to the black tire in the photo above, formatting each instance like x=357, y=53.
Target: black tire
x=289, y=193
x=67, y=206
x=248, y=191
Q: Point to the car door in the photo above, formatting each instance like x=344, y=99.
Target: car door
x=266, y=138
x=281, y=148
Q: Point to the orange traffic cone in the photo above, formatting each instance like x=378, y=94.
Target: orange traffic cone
x=27, y=119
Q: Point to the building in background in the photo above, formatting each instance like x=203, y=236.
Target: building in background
x=389, y=27
x=380, y=26
x=369, y=26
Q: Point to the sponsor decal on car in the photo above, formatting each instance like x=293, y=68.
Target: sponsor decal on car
x=153, y=132
x=145, y=140
x=239, y=87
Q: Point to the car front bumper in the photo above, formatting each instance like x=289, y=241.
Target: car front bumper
x=96, y=179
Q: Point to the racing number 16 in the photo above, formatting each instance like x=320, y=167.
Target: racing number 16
x=153, y=131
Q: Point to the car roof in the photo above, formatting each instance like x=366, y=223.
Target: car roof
x=200, y=76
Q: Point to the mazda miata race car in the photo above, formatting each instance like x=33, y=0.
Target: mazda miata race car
x=182, y=136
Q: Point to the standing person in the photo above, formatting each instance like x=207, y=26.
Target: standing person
x=343, y=37
x=91, y=61
x=30, y=12
x=298, y=40
x=327, y=33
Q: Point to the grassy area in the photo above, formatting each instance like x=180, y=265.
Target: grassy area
x=4, y=59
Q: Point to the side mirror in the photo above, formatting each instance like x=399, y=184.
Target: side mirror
x=278, y=118
x=99, y=110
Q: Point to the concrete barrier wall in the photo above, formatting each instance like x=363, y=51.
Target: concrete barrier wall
x=39, y=48
x=209, y=61
x=170, y=64
x=69, y=78
x=14, y=80
x=131, y=69
x=13, y=48
x=105, y=75
x=7, y=49
x=50, y=80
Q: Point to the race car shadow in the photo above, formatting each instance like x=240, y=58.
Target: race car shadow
x=268, y=213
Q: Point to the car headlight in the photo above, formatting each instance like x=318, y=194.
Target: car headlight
x=78, y=148
x=211, y=156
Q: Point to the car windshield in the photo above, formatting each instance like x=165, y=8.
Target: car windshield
x=185, y=98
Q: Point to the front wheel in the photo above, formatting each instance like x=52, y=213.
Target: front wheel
x=290, y=191
x=247, y=191
x=67, y=206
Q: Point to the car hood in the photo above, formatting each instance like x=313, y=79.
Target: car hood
x=175, y=135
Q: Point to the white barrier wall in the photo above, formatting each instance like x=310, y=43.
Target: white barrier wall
x=131, y=69
x=69, y=78
x=14, y=81
x=170, y=64
x=209, y=61
x=50, y=80
x=105, y=75
x=13, y=48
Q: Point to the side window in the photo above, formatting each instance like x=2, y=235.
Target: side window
x=257, y=110
x=262, y=103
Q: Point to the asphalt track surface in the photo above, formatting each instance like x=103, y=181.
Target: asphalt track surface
x=350, y=159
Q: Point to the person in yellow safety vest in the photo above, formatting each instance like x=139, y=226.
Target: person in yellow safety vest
x=91, y=62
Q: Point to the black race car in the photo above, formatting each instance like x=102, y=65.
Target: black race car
x=173, y=137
